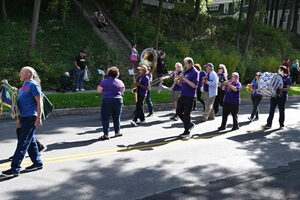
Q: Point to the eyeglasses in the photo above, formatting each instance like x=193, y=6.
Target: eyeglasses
x=220, y=68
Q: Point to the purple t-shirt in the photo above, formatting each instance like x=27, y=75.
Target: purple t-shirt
x=286, y=81
x=144, y=80
x=112, y=88
x=193, y=76
x=231, y=96
x=206, y=85
x=255, y=87
x=201, y=75
x=176, y=86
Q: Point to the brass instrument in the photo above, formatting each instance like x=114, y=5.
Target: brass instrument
x=149, y=58
x=249, y=87
x=176, y=78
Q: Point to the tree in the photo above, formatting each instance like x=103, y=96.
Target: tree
x=239, y=26
x=197, y=10
x=276, y=13
x=35, y=21
x=283, y=13
x=250, y=22
x=271, y=12
x=136, y=7
x=157, y=29
x=4, y=14
x=295, y=19
x=289, y=23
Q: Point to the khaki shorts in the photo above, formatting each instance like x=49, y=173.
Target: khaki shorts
x=175, y=95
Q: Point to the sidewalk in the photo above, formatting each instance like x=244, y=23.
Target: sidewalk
x=277, y=183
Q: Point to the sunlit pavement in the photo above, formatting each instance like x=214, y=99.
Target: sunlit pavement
x=147, y=159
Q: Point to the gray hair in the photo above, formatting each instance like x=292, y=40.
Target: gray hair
x=236, y=74
x=180, y=65
x=189, y=60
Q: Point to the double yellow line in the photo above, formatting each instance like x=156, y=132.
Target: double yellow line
x=107, y=152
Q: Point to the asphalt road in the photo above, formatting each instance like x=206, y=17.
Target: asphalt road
x=147, y=159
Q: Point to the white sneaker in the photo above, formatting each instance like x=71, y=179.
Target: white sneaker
x=133, y=123
x=77, y=90
x=141, y=122
x=82, y=90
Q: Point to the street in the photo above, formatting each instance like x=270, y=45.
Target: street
x=146, y=159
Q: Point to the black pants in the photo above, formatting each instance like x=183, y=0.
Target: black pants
x=294, y=75
x=255, y=102
x=139, y=109
x=232, y=109
x=40, y=145
x=219, y=100
x=199, y=93
x=280, y=102
x=183, y=111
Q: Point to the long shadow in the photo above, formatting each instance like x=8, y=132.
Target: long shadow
x=3, y=178
x=4, y=161
x=209, y=135
x=68, y=145
x=257, y=134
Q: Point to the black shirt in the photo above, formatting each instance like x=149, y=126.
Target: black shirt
x=81, y=62
x=161, y=65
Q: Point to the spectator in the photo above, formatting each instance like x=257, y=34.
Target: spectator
x=80, y=64
x=255, y=98
x=134, y=56
x=161, y=65
x=295, y=71
x=112, y=90
x=287, y=64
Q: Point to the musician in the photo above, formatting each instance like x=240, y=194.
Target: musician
x=255, y=98
x=176, y=87
x=210, y=88
x=142, y=84
x=280, y=99
x=222, y=74
x=199, y=92
x=188, y=81
x=112, y=90
x=148, y=97
x=232, y=101
x=161, y=65
x=30, y=105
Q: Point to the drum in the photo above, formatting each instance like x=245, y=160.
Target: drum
x=269, y=83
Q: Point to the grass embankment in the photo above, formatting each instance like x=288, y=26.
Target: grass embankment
x=80, y=100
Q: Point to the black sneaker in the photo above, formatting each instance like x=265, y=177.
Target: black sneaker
x=43, y=148
x=11, y=158
x=174, y=118
x=235, y=128
x=281, y=126
x=192, y=125
x=10, y=173
x=221, y=128
x=150, y=115
x=184, y=135
x=34, y=167
x=267, y=126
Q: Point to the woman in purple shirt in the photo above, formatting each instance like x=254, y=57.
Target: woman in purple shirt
x=255, y=98
x=232, y=101
x=112, y=90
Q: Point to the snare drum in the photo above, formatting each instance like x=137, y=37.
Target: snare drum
x=268, y=84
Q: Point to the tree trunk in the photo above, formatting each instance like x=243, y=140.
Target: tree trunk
x=157, y=29
x=250, y=23
x=271, y=12
x=197, y=10
x=136, y=8
x=4, y=14
x=239, y=26
x=289, y=23
x=296, y=16
x=283, y=14
x=35, y=21
x=276, y=13
x=267, y=9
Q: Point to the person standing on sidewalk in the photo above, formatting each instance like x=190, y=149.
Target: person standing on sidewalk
x=232, y=101
x=280, y=99
x=112, y=90
x=188, y=81
x=255, y=98
x=222, y=74
x=30, y=105
x=295, y=71
x=80, y=64
x=142, y=83
x=210, y=90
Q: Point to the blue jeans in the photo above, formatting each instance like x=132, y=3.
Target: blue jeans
x=281, y=103
x=26, y=142
x=111, y=106
x=149, y=102
x=79, y=79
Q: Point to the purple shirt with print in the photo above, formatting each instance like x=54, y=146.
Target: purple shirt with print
x=144, y=80
x=286, y=81
x=193, y=76
x=231, y=96
x=222, y=78
x=201, y=75
x=176, y=86
x=112, y=88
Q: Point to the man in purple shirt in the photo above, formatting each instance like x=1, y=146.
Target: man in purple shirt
x=142, y=84
x=280, y=99
x=188, y=81
x=232, y=101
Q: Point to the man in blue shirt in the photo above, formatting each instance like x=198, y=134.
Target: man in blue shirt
x=280, y=99
x=188, y=81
